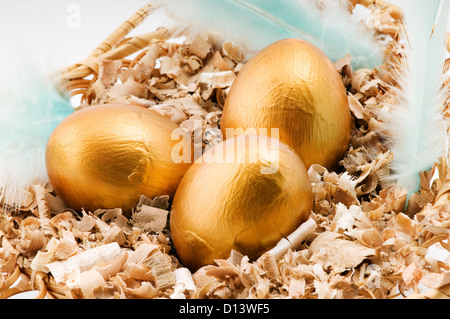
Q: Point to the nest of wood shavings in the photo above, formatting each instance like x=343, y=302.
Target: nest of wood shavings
x=358, y=242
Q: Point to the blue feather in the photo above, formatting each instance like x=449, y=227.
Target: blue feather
x=31, y=106
x=258, y=23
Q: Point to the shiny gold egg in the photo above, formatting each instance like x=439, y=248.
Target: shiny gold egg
x=292, y=86
x=246, y=194
x=108, y=156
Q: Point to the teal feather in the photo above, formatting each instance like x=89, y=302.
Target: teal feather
x=415, y=122
x=258, y=23
x=31, y=106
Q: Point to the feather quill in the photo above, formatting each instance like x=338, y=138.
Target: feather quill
x=254, y=24
x=31, y=106
x=415, y=123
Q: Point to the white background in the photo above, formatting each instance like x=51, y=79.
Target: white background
x=52, y=31
x=63, y=32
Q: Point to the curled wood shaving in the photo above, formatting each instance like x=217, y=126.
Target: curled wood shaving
x=293, y=241
x=150, y=219
x=183, y=283
x=331, y=251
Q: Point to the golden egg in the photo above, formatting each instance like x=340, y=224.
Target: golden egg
x=293, y=87
x=246, y=194
x=108, y=156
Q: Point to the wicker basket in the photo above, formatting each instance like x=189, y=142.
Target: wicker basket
x=116, y=47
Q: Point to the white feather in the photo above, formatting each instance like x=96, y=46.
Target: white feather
x=31, y=105
x=415, y=123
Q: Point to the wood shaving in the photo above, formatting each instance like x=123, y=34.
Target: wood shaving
x=337, y=254
x=359, y=242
